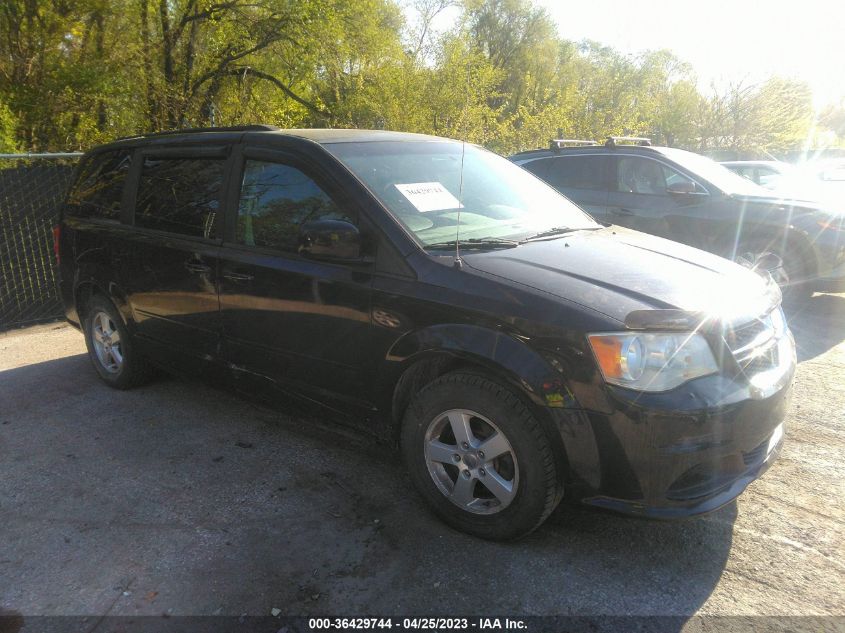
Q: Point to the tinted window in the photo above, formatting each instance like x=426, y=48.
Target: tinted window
x=537, y=167
x=180, y=195
x=644, y=175
x=99, y=188
x=276, y=199
x=577, y=172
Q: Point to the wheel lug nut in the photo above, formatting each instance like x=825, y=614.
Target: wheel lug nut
x=456, y=457
x=467, y=474
x=481, y=454
x=464, y=445
x=482, y=472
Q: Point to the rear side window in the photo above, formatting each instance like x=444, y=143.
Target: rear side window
x=99, y=188
x=276, y=200
x=180, y=195
x=537, y=167
x=577, y=172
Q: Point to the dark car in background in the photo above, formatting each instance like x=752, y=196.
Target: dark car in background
x=691, y=199
x=533, y=356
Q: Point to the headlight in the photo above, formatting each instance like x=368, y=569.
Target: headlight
x=652, y=362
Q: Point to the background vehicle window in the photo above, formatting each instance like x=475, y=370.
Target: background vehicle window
x=745, y=172
x=276, y=200
x=98, y=190
x=538, y=167
x=646, y=176
x=768, y=178
x=180, y=195
x=577, y=172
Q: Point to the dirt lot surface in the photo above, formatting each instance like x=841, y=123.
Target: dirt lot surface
x=183, y=499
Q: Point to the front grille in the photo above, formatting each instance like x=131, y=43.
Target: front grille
x=754, y=345
x=755, y=455
x=741, y=337
x=765, y=360
x=707, y=478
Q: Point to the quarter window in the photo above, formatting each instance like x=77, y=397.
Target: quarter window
x=276, y=200
x=180, y=195
x=99, y=189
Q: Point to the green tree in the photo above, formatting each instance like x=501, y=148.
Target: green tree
x=773, y=116
x=8, y=128
x=833, y=118
x=78, y=72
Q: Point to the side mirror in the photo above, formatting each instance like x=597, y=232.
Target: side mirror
x=330, y=239
x=682, y=187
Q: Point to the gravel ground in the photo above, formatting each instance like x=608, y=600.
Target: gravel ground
x=179, y=498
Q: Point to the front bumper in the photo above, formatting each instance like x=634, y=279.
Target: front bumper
x=675, y=454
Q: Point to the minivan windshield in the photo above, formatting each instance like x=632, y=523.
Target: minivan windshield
x=719, y=175
x=420, y=183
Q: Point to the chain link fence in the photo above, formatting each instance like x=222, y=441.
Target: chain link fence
x=32, y=187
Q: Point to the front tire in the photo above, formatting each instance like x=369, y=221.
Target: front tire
x=110, y=348
x=479, y=457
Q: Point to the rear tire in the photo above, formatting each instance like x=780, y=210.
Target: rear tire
x=503, y=493
x=110, y=347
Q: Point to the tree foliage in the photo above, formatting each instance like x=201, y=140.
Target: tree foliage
x=78, y=72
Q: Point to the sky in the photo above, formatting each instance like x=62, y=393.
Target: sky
x=724, y=41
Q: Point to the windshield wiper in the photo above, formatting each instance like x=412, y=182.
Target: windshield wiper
x=477, y=243
x=557, y=231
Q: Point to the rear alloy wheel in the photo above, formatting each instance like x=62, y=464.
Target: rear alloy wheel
x=479, y=457
x=106, y=341
x=110, y=347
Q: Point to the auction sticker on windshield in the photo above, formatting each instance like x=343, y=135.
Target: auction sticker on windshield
x=429, y=196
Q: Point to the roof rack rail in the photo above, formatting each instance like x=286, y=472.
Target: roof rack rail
x=559, y=143
x=256, y=127
x=613, y=141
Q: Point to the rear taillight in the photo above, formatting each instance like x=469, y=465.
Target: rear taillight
x=57, y=234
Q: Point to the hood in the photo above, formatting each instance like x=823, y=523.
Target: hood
x=795, y=210
x=617, y=271
x=808, y=199
x=773, y=200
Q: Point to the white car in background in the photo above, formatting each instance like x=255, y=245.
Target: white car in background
x=816, y=181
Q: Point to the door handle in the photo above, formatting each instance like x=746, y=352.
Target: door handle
x=237, y=276
x=195, y=267
x=621, y=211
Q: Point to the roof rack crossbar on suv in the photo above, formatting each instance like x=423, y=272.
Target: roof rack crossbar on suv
x=613, y=141
x=559, y=143
x=196, y=130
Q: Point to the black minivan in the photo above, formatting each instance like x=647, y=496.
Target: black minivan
x=441, y=299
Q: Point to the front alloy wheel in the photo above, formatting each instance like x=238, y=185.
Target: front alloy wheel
x=479, y=457
x=471, y=461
